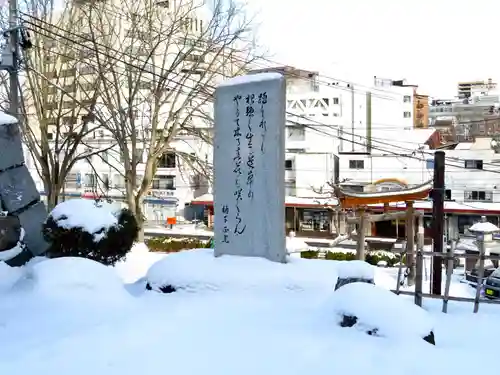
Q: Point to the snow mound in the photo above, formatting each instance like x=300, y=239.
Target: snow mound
x=9, y=276
x=199, y=270
x=89, y=215
x=380, y=309
x=137, y=263
x=295, y=245
x=76, y=277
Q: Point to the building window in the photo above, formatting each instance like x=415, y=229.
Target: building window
x=296, y=133
x=447, y=194
x=406, y=114
x=163, y=3
x=67, y=73
x=89, y=86
x=68, y=104
x=87, y=70
x=288, y=165
x=476, y=195
x=51, y=106
x=335, y=100
x=429, y=163
x=168, y=160
x=407, y=99
x=90, y=180
x=144, y=85
x=69, y=120
x=356, y=164
x=474, y=164
x=164, y=183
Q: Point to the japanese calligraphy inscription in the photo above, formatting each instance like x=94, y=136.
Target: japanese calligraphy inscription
x=249, y=160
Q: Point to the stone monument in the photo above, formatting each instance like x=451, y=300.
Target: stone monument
x=249, y=166
x=19, y=198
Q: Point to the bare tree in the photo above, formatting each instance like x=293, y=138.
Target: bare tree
x=330, y=194
x=56, y=103
x=159, y=63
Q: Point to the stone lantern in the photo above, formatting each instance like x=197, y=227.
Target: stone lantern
x=484, y=231
x=484, y=238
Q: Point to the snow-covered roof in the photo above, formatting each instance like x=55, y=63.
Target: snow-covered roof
x=7, y=119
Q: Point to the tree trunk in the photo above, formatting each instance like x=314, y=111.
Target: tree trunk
x=140, y=218
x=135, y=206
x=52, y=195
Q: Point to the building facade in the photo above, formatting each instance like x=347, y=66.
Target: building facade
x=71, y=99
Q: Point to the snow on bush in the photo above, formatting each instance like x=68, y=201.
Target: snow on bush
x=75, y=277
x=89, y=229
x=379, y=312
x=199, y=270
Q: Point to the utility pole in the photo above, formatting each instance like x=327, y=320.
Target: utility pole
x=14, y=49
x=438, y=220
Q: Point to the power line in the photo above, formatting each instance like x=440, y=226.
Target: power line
x=335, y=127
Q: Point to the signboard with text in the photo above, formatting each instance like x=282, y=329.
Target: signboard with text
x=249, y=162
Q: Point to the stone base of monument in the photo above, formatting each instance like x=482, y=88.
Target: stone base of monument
x=199, y=271
x=379, y=312
x=19, y=196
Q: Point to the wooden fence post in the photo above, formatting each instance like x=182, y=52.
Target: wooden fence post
x=419, y=261
x=480, y=240
x=449, y=273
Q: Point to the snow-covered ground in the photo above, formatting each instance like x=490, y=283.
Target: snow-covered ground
x=232, y=316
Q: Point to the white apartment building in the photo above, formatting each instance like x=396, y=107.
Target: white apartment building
x=180, y=176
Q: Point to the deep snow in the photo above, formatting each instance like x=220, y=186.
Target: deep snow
x=79, y=321
x=93, y=217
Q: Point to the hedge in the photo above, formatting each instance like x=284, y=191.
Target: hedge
x=172, y=245
x=371, y=257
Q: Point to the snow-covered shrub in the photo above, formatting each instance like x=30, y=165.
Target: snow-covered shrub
x=89, y=229
x=378, y=312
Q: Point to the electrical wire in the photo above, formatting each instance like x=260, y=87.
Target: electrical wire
x=384, y=141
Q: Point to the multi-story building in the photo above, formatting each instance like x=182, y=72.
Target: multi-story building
x=71, y=97
x=466, y=119
x=469, y=89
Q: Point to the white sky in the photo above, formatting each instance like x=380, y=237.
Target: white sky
x=431, y=43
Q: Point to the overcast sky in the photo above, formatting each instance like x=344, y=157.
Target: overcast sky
x=431, y=43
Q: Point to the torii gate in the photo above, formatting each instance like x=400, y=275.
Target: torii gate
x=359, y=202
